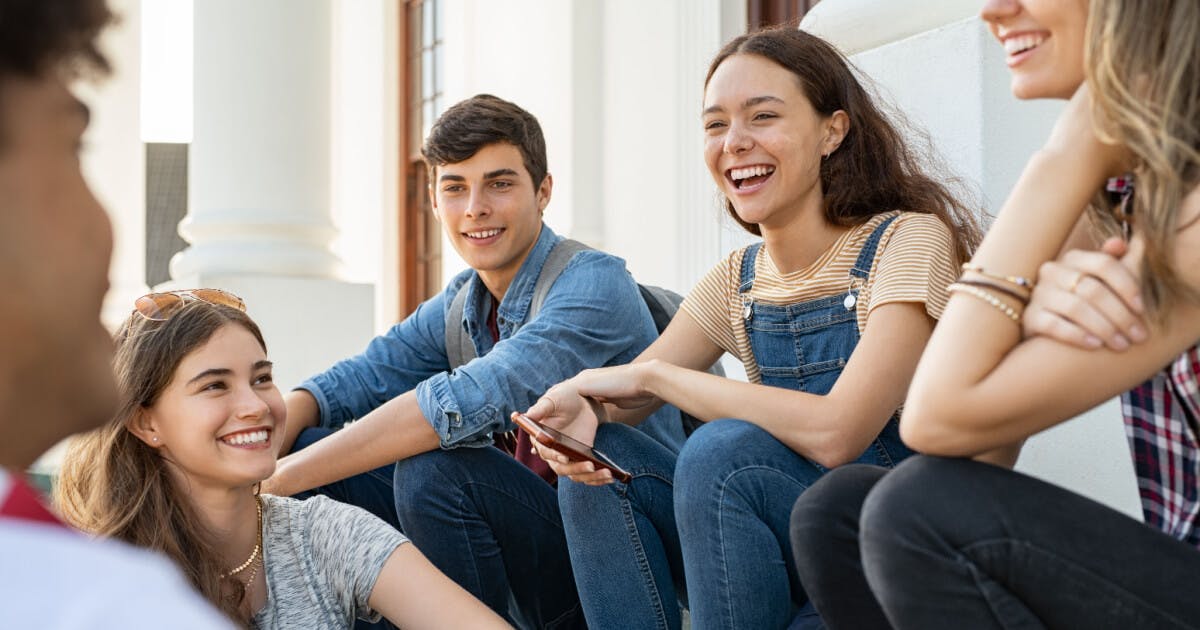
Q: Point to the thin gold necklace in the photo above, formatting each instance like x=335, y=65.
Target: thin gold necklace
x=253, y=554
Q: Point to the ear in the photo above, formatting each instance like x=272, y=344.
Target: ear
x=145, y=427
x=543, y=192
x=433, y=204
x=836, y=128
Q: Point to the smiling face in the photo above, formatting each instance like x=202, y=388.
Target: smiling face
x=764, y=140
x=55, y=245
x=1043, y=43
x=221, y=417
x=491, y=210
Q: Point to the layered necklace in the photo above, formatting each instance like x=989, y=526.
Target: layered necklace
x=254, y=555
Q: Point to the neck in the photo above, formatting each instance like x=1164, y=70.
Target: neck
x=800, y=241
x=497, y=281
x=232, y=518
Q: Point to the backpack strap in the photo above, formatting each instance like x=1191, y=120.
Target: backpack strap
x=556, y=261
x=459, y=348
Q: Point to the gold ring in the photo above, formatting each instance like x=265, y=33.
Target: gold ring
x=1079, y=276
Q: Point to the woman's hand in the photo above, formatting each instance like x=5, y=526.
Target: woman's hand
x=1088, y=299
x=575, y=407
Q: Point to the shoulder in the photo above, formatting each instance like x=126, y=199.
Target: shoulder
x=918, y=226
x=68, y=580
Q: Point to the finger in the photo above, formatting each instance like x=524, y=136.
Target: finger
x=541, y=408
x=1101, y=297
x=1108, y=270
x=597, y=478
x=549, y=455
x=1041, y=322
x=1082, y=311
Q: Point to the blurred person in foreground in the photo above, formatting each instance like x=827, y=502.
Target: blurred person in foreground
x=55, y=245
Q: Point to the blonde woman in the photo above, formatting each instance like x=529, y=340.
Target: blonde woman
x=978, y=545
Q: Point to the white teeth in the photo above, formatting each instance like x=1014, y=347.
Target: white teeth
x=252, y=437
x=483, y=234
x=750, y=171
x=1021, y=43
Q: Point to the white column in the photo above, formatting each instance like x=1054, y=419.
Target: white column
x=936, y=61
x=259, y=220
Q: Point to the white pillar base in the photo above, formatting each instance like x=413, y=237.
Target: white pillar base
x=308, y=323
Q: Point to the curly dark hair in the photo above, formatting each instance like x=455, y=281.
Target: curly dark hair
x=39, y=36
x=874, y=170
x=468, y=126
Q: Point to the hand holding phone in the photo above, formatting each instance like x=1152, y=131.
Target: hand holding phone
x=569, y=446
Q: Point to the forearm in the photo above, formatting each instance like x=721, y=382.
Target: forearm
x=394, y=431
x=302, y=413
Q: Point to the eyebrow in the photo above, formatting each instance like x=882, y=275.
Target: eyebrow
x=747, y=104
x=258, y=365
x=502, y=172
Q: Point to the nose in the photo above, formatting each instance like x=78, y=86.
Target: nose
x=251, y=406
x=995, y=10
x=737, y=140
x=477, y=205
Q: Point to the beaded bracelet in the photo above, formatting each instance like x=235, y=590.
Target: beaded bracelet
x=995, y=286
x=1024, y=283
x=986, y=296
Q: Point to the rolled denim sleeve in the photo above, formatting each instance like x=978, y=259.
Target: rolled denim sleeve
x=592, y=316
x=392, y=364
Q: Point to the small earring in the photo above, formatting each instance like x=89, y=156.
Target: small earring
x=154, y=439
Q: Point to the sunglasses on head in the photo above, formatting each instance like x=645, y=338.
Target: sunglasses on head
x=161, y=306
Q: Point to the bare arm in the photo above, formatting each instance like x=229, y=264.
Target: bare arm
x=978, y=385
x=830, y=429
x=411, y=593
x=302, y=413
x=394, y=431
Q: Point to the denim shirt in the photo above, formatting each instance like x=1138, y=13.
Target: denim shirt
x=593, y=316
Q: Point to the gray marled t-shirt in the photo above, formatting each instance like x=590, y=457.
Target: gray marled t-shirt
x=322, y=559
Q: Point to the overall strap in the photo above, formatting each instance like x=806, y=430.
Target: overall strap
x=866, y=256
x=746, y=279
x=556, y=261
x=459, y=348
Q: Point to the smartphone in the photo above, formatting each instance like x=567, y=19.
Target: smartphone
x=569, y=446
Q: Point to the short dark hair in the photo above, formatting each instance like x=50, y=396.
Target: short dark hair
x=468, y=126
x=39, y=36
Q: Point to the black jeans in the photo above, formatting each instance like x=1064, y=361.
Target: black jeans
x=951, y=543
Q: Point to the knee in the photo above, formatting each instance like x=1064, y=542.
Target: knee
x=423, y=481
x=915, y=502
x=721, y=455
x=831, y=508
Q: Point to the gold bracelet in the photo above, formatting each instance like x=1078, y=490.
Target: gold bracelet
x=988, y=297
x=1024, y=283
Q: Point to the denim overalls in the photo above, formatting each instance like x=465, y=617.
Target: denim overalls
x=805, y=346
x=716, y=515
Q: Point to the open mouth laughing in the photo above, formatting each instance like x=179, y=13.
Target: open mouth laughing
x=749, y=177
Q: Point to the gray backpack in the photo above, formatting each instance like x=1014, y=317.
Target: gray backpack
x=663, y=303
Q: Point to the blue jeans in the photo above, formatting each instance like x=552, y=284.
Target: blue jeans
x=732, y=511
x=484, y=520
x=494, y=527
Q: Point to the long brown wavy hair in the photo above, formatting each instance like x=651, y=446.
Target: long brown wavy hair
x=114, y=485
x=1142, y=63
x=873, y=170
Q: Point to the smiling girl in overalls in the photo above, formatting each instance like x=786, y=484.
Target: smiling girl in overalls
x=828, y=315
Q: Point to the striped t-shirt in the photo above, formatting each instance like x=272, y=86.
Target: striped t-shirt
x=914, y=263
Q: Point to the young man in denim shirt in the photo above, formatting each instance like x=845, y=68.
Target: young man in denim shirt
x=480, y=513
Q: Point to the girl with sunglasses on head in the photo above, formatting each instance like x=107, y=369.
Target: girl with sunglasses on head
x=177, y=470
x=978, y=545
x=828, y=314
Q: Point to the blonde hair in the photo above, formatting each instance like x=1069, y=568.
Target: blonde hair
x=114, y=485
x=1142, y=61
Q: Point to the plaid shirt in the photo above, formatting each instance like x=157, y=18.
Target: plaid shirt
x=1161, y=422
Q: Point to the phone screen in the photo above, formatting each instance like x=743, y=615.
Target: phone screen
x=569, y=446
